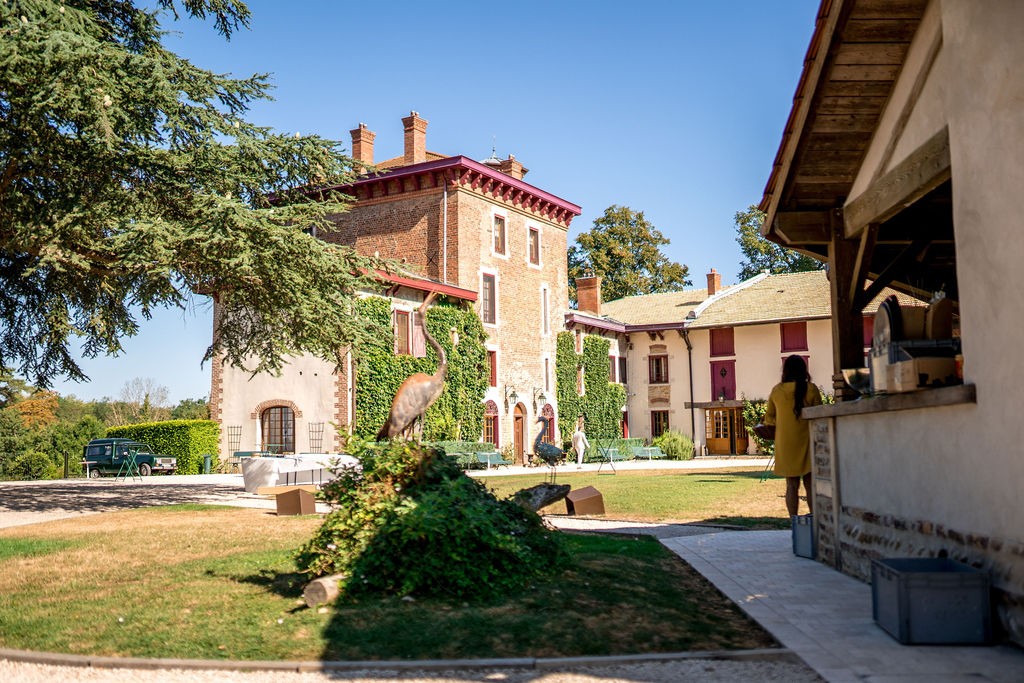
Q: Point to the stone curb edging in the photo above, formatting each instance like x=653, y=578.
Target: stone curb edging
x=58, y=659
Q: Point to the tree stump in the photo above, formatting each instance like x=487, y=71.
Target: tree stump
x=541, y=495
x=322, y=590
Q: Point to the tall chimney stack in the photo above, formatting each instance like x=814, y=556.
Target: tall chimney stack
x=415, y=138
x=588, y=294
x=362, y=144
x=714, y=282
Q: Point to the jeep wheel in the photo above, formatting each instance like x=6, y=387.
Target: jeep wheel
x=145, y=470
x=94, y=474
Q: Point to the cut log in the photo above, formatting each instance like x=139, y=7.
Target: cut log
x=322, y=590
x=541, y=495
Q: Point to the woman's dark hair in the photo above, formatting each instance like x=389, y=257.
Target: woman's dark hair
x=795, y=370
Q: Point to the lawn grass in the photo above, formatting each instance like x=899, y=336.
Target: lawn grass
x=219, y=583
x=733, y=496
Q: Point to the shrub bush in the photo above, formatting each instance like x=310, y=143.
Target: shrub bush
x=753, y=414
x=186, y=440
x=675, y=445
x=32, y=465
x=409, y=522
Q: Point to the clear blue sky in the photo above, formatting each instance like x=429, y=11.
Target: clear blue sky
x=674, y=108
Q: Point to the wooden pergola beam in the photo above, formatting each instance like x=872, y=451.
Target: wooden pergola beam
x=922, y=171
x=803, y=227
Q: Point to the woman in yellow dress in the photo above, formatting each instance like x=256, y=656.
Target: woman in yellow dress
x=792, y=436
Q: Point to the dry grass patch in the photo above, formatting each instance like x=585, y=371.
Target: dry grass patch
x=220, y=583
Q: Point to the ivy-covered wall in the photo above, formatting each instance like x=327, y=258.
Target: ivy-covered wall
x=601, y=402
x=459, y=412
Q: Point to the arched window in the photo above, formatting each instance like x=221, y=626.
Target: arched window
x=491, y=423
x=278, y=429
x=549, y=412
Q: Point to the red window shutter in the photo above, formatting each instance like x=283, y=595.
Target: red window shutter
x=723, y=342
x=419, y=342
x=794, y=336
x=492, y=358
x=869, y=330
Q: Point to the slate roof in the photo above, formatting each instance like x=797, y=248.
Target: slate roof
x=650, y=309
x=773, y=298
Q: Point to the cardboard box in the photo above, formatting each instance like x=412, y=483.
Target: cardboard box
x=934, y=601
x=296, y=502
x=920, y=373
x=584, y=501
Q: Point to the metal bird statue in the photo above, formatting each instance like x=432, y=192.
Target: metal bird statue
x=548, y=452
x=417, y=392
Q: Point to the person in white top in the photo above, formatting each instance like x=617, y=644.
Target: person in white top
x=579, y=443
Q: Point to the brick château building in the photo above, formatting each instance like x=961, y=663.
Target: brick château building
x=470, y=230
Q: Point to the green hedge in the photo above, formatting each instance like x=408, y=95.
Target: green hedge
x=187, y=440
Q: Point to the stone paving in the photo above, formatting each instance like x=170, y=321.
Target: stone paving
x=825, y=617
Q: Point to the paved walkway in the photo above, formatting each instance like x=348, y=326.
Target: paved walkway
x=822, y=616
x=825, y=617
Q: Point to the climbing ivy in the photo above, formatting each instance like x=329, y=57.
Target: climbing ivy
x=602, y=400
x=458, y=413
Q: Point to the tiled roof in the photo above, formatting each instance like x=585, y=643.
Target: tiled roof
x=789, y=296
x=650, y=309
x=400, y=161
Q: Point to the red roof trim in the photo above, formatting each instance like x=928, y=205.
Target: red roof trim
x=464, y=168
x=425, y=285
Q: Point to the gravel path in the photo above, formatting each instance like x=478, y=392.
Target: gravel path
x=703, y=670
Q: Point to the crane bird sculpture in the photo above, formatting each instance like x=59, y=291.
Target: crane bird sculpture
x=418, y=392
x=548, y=452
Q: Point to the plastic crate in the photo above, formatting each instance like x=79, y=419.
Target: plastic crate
x=804, y=543
x=931, y=601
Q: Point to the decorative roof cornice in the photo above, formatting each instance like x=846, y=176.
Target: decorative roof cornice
x=463, y=172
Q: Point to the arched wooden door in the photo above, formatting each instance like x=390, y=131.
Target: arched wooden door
x=518, y=433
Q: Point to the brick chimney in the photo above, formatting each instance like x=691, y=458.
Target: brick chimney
x=714, y=282
x=415, y=138
x=362, y=144
x=588, y=294
x=512, y=167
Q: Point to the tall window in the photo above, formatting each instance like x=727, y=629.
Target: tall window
x=278, y=425
x=545, y=323
x=499, y=235
x=613, y=367
x=793, y=336
x=622, y=370
x=488, y=300
x=491, y=423
x=547, y=374
x=403, y=340
x=657, y=366
x=492, y=362
x=534, y=242
x=659, y=423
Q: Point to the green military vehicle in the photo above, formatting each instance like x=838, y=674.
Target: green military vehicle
x=109, y=456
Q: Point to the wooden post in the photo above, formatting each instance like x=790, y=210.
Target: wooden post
x=847, y=318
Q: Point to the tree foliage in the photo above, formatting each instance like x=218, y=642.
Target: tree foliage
x=624, y=249
x=130, y=180
x=763, y=255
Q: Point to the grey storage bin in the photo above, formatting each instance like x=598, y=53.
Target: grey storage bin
x=804, y=543
x=931, y=601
